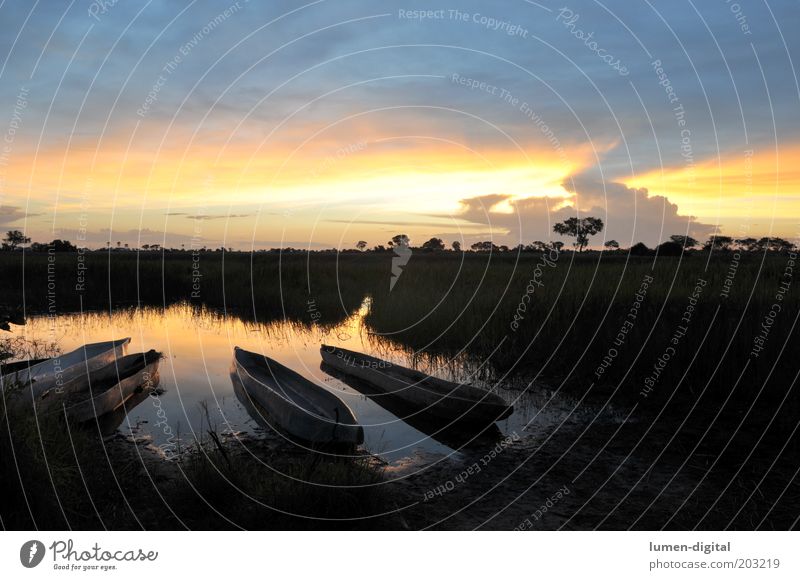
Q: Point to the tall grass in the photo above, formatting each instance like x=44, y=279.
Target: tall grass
x=448, y=303
x=58, y=475
x=261, y=286
x=445, y=305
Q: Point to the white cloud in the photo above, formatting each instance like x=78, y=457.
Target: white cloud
x=630, y=215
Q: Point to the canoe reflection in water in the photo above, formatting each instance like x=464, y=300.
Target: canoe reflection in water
x=108, y=424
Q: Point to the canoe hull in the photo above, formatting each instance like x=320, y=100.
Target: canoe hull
x=116, y=396
x=453, y=434
x=73, y=366
x=290, y=403
x=439, y=398
x=109, y=388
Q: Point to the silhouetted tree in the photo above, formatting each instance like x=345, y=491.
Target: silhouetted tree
x=580, y=229
x=774, y=244
x=687, y=242
x=538, y=246
x=433, y=245
x=15, y=238
x=63, y=246
x=399, y=240
x=611, y=245
x=486, y=246
x=639, y=250
x=670, y=248
x=456, y=246
x=747, y=244
x=716, y=242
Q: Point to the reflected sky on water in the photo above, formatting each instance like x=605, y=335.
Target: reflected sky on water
x=198, y=343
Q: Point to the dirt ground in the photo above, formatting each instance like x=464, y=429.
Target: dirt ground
x=614, y=472
x=607, y=476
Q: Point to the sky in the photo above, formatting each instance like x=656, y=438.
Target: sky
x=314, y=125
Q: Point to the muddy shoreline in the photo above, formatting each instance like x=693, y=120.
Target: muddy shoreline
x=610, y=473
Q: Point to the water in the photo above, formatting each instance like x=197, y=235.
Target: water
x=198, y=344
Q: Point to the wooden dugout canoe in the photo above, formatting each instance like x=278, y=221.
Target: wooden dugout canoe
x=292, y=403
x=440, y=398
x=453, y=434
x=57, y=371
x=108, y=387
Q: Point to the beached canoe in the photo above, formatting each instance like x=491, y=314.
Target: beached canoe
x=56, y=371
x=292, y=403
x=452, y=401
x=453, y=434
x=109, y=387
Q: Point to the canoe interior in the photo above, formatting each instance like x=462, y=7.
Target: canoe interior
x=79, y=355
x=113, y=374
x=393, y=378
x=281, y=399
x=295, y=388
x=450, y=432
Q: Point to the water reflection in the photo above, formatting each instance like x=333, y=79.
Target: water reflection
x=198, y=345
x=108, y=424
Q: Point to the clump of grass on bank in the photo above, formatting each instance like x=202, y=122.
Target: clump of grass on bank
x=256, y=483
x=443, y=304
x=57, y=475
x=446, y=302
x=256, y=490
x=320, y=288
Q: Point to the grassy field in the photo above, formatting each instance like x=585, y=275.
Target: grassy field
x=56, y=475
x=650, y=326
x=259, y=286
x=703, y=344
x=609, y=322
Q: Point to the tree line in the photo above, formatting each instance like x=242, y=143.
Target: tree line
x=582, y=229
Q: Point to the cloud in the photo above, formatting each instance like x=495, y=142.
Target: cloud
x=630, y=214
x=218, y=217
x=206, y=216
x=415, y=223
x=11, y=213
